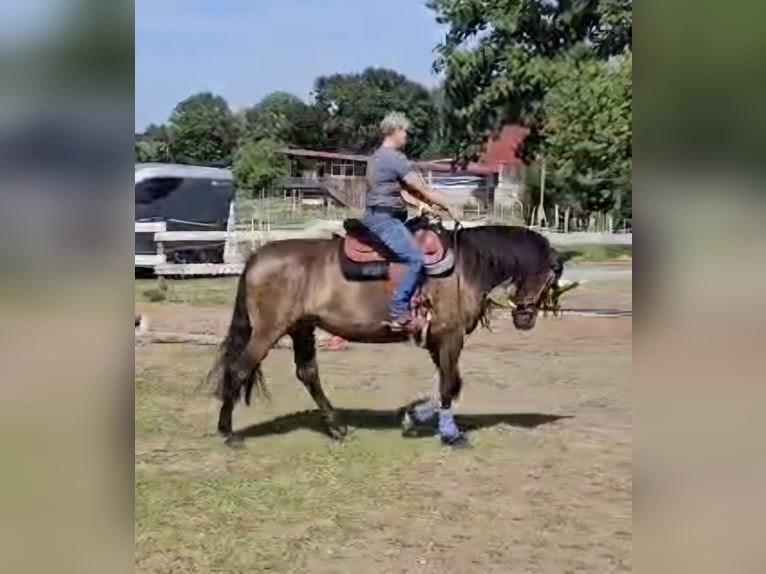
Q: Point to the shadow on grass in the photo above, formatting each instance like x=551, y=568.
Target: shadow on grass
x=372, y=419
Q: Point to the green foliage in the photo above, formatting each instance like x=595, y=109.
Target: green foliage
x=149, y=151
x=500, y=58
x=354, y=104
x=271, y=116
x=595, y=253
x=152, y=145
x=203, y=131
x=284, y=116
x=438, y=147
x=345, y=115
x=587, y=130
x=258, y=163
x=157, y=133
x=563, y=69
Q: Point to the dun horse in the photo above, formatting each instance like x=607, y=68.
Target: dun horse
x=343, y=285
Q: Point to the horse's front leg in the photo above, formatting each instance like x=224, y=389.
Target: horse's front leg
x=445, y=353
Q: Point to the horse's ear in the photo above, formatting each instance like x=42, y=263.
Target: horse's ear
x=558, y=258
x=565, y=256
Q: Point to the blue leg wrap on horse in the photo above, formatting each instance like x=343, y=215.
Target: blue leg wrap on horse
x=424, y=411
x=447, y=426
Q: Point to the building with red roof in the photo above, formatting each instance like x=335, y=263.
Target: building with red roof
x=322, y=176
x=505, y=149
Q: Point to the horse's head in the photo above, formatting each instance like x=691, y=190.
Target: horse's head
x=527, y=296
x=539, y=290
x=519, y=267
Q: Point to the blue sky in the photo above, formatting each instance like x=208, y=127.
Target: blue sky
x=244, y=49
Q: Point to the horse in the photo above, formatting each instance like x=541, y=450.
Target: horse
x=343, y=285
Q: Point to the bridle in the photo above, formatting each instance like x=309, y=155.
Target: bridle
x=536, y=302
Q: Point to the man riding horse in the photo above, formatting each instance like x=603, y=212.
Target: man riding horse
x=390, y=176
x=360, y=285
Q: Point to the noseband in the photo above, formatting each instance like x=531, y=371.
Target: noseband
x=531, y=306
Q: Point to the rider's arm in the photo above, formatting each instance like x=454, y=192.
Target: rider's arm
x=411, y=200
x=415, y=182
x=416, y=187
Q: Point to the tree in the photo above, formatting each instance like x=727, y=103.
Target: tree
x=587, y=129
x=153, y=144
x=354, y=105
x=499, y=59
x=203, y=131
x=284, y=116
x=147, y=151
x=308, y=127
x=258, y=163
x=438, y=145
x=270, y=118
x=157, y=133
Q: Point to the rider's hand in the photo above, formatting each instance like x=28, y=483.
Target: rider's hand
x=424, y=209
x=453, y=213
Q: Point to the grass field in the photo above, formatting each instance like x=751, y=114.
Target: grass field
x=600, y=253
x=537, y=493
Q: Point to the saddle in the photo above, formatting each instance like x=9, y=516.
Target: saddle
x=364, y=257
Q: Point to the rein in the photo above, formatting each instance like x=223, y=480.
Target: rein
x=455, y=232
x=454, y=243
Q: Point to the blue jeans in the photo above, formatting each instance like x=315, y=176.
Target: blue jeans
x=394, y=234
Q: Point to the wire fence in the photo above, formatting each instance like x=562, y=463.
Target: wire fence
x=266, y=212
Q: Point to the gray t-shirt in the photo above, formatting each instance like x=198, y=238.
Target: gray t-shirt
x=386, y=169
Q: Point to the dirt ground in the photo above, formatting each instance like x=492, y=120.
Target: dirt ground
x=546, y=488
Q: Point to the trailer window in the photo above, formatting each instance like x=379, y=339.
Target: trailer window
x=153, y=189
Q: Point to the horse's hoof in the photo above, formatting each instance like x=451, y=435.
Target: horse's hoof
x=456, y=441
x=338, y=432
x=414, y=428
x=234, y=441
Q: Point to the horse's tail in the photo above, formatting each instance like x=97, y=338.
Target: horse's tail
x=225, y=382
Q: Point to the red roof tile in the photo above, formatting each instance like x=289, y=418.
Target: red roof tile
x=505, y=149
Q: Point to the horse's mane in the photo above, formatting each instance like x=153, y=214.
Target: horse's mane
x=492, y=254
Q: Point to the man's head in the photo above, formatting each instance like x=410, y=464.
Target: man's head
x=394, y=128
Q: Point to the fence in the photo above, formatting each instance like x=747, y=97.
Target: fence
x=259, y=218
x=237, y=243
x=265, y=212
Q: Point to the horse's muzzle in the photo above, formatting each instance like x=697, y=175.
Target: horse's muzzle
x=524, y=317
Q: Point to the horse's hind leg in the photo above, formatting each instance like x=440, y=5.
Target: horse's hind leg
x=445, y=353
x=240, y=373
x=305, y=351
